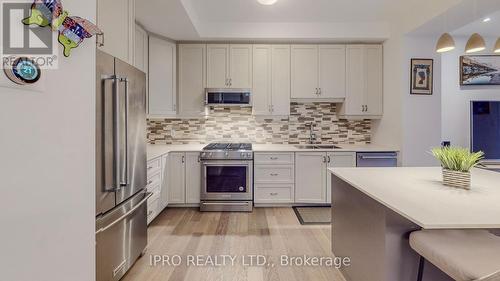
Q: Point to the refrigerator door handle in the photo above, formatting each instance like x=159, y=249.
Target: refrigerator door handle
x=146, y=197
x=124, y=177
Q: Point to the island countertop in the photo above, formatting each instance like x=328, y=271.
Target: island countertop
x=418, y=195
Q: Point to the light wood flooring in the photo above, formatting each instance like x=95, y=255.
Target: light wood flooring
x=266, y=231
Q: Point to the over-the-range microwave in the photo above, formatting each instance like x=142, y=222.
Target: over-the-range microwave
x=229, y=97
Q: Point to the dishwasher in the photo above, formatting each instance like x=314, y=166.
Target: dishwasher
x=377, y=159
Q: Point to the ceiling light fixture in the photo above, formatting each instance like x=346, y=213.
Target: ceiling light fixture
x=475, y=44
x=487, y=20
x=445, y=43
x=267, y=2
x=497, y=46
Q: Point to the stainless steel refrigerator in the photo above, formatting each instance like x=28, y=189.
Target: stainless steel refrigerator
x=121, y=198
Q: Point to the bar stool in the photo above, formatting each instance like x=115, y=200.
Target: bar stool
x=464, y=255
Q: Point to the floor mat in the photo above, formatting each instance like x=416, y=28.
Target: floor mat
x=313, y=215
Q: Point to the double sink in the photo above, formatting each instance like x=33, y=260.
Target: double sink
x=317, y=146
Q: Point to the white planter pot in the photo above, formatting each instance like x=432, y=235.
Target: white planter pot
x=456, y=179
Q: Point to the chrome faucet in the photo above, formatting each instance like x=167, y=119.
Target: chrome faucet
x=312, y=135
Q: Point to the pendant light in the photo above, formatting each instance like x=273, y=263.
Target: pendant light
x=475, y=44
x=445, y=43
x=497, y=46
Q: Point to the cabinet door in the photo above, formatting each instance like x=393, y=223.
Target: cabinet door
x=310, y=177
x=355, y=71
x=262, y=86
x=162, y=77
x=176, y=178
x=280, y=98
x=337, y=159
x=165, y=177
x=240, y=66
x=140, y=48
x=116, y=18
x=217, y=66
x=374, y=79
x=332, y=71
x=304, y=71
x=193, y=177
x=191, y=79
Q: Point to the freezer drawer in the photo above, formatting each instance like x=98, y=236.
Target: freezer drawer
x=121, y=237
x=377, y=159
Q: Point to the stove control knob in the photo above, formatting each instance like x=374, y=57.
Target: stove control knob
x=226, y=154
x=210, y=154
x=203, y=154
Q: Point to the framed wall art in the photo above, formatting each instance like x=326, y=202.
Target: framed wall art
x=480, y=70
x=421, y=76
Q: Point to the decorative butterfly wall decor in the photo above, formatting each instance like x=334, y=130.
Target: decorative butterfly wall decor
x=72, y=30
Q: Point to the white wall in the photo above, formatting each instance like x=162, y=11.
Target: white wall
x=47, y=170
x=421, y=113
x=456, y=99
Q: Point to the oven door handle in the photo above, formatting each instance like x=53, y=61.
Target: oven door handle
x=225, y=203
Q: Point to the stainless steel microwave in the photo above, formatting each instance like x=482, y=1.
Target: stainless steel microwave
x=228, y=97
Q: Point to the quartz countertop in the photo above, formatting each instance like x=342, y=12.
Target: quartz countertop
x=419, y=195
x=157, y=150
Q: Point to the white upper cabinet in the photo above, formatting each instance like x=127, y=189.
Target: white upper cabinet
x=217, y=66
x=364, y=82
x=304, y=71
x=116, y=18
x=191, y=79
x=318, y=72
x=162, y=77
x=141, y=49
x=262, y=86
x=332, y=71
x=271, y=80
x=240, y=66
x=229, y=66
x=280, y=98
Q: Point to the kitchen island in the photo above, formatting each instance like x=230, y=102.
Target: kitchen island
x=375, y=209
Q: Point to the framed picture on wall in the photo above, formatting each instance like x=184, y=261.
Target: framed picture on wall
x=421, y=76
x=480, y=70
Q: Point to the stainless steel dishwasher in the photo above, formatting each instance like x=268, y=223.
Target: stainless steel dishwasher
x=377, y=159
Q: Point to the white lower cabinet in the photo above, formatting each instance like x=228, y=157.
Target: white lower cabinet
x=310, y=177
x=274, y=178
x=154, y=183
x=176, y=178
x=193, y=177
x=337, y=159
x=164, y=182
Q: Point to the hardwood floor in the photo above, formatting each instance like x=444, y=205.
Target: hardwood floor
x=271, y=232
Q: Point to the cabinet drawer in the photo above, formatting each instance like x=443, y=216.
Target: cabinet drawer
x=273, y=158
x=154, y=179
x=274, y=173
x=152, y=210
x=274, y=193
x=154, y=166
x=155, y=189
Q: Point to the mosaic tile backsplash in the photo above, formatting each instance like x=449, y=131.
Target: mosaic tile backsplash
x=236, y=124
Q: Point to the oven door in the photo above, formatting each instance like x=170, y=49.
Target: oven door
x=227, y=180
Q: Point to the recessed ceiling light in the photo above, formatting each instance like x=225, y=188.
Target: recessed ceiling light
x=267, y=2
x=487, y=20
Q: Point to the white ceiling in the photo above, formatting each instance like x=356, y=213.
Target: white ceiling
x=487, y=29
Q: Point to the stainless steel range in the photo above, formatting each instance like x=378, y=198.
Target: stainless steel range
x=227, y=177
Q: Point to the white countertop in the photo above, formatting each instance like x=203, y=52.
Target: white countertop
x=156, y=150
x=418, y=195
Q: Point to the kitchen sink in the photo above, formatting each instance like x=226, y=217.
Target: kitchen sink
x=317, y=146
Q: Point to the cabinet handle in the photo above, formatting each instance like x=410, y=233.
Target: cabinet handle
x=150, y=182
x=324, y=159
x=329, y=159
x=150, y=212
x=100, y=43
x=183, y=159
x=149, y=168
x=274, y=174
x=366, y=106
x=273, y=193
x=319, y=91
x=273, y=158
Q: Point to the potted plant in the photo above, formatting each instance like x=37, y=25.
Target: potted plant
x=457, y=163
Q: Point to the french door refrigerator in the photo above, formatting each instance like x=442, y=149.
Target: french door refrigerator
x=121, y=229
